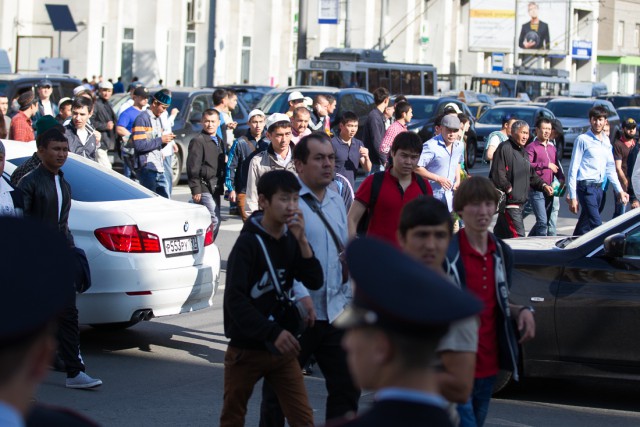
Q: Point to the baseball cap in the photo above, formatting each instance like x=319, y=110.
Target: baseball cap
x=141, y=91
x=453, y=106
x=450, y=121
x=630, y=123
x=422, y=301
x=295, y=96
x=64, y=100
x=79, y=89
x=105, y=85
x=275, y=118
x=308, y=102
x=44, y=82
x=255, y=112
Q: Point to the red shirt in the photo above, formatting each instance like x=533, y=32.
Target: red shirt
x=391, y=200
x=481, y=281
x=21, y=129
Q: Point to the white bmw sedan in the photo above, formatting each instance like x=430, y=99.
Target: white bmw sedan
x=149, y=256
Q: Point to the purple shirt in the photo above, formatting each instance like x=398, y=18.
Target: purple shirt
x=540, y=156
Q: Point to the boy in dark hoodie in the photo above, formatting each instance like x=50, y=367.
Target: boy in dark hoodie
x=259, y=347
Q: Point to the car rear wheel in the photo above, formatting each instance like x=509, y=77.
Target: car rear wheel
x=504, y=380
x=176, y=167
x=471, y=153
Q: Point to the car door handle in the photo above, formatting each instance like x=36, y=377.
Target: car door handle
x=537, y=299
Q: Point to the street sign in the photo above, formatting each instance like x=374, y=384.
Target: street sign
x=497, y=62
x=328, y=11
x=581, y=49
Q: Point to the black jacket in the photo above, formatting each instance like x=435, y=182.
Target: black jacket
x=88, y=149
x=206, y=165
x=41, y=199
x=373, y=134
x=544, y=41
x=249, y=296
x=511, y=170
x=390, y=412
x=103, y=113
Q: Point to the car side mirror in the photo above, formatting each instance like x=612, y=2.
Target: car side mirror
x=614, y=245
x=195, y=117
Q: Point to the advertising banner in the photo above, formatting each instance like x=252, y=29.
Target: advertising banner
x=491, y=25
x=542, y=26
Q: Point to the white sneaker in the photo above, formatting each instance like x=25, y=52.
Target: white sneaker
x=82, y=380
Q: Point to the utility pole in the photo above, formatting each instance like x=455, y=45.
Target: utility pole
x=382, y=13
x=211, y=43
x=347, y=25
x=515, y=39
x=302, y=29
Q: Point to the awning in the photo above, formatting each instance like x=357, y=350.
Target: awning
x=623, y=60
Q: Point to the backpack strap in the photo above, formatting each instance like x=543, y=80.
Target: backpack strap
x=376, y=186
x=422, y=184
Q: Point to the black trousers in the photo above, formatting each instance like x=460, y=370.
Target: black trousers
x=69, y=339
x=510, y=223
x=325, y=343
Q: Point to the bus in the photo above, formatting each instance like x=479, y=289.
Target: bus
x=366, y=69
x=534, y=83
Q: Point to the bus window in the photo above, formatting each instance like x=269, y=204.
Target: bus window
x=396, y=82
x=374, y=80
x=384, y=79
x=361, y=80
x=340, y=79
x=311, y=77
x=411, y=83
x=428, y=83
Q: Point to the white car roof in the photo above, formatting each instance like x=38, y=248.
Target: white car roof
x=17, y=149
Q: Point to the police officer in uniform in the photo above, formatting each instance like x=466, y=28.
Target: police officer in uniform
x=31, y=300
x=394, y=323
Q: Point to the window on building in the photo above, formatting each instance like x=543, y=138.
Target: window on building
x=620, y=38
x=102, y=41
x=189, y=58
x=245, y=70
x=126, y=66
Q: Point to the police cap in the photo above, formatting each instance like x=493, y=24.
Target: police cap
x=403, y=295
x=36, y=266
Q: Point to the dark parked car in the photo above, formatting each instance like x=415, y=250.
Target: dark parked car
x=13, y=85
x=491, y=121
x=250, y=94
x=587, y=299
x=192, y=102
x=427, y=108
x=574, y=115
x=356, y=100
x=622, y=100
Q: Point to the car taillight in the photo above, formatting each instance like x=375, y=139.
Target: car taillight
x=208, y=237
x=127, y=238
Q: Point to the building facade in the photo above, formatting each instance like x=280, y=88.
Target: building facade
x=256, y=40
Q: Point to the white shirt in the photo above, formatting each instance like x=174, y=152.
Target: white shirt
x=48, y=110
x=83, y=134
x=59, y=191
x=6, y=202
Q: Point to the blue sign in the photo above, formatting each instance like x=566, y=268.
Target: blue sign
x=328, y=11
x=581, y=49
x=497, y=62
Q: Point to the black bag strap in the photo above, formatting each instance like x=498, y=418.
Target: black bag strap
x=421, y=184
x=272, y=272
x=313, y=204
x=376, y=185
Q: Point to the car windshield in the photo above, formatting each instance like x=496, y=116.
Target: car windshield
x=494, y=116
x=178, y=100
x=423, y=108
x=578, y=110
x=631, y=113
x=90, y=183
x=604, y=230
x=277, y=102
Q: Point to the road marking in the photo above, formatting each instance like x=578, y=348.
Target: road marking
x=232, y=227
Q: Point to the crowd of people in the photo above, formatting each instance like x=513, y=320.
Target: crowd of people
x=396, y=285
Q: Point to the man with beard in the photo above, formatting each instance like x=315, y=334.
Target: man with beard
x=622, y=148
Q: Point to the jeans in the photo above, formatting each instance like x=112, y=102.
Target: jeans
x=375, y=167
x=168, y=174
x=542, y=205
x=620, y=208
x=153, y=180
x=324, y=342
x=243, y=368
x=474, y=412
x=589, y=198
x=212, y=203
x=510, y=223
x=553, y=218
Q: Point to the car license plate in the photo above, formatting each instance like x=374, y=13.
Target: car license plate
x=181, y=246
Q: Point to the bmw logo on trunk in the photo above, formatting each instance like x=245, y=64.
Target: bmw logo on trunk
x=186, y=226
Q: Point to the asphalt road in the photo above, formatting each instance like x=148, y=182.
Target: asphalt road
x=169, y=372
